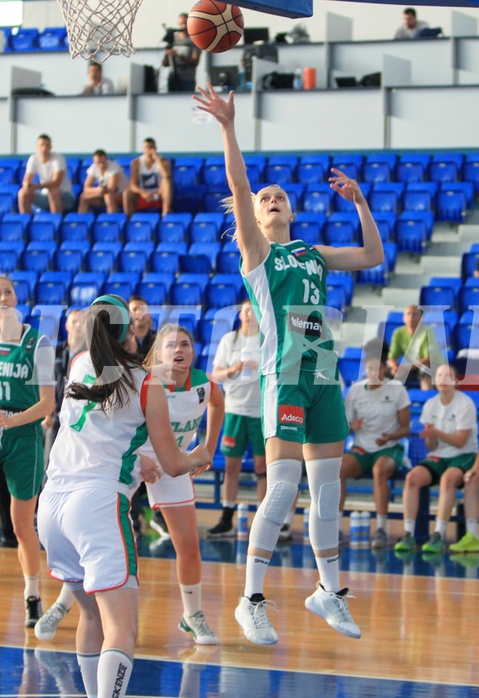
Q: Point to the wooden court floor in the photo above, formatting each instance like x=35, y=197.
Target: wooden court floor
x=420, y=634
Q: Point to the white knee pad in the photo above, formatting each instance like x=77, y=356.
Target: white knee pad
x=283, y=478
x=325, y=490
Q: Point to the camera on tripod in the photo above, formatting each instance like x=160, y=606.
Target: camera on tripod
x=169, y=37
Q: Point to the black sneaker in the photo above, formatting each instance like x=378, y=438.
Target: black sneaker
x=33, y=611
x=223, y=529
x=158, y=524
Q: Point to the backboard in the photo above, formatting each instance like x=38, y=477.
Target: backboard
x=285, y=8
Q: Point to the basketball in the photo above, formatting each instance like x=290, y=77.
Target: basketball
x=215, y=26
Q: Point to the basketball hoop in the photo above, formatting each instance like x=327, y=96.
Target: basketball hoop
x=98, y=29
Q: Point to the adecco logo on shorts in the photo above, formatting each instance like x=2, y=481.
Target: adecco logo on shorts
x=289, y=414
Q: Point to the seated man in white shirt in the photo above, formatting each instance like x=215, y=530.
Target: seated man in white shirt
x=53, y=192
x=104, y=184
x=97, y=84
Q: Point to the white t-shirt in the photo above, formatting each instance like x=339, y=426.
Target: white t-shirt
x=112, y=168
x=242, y=394
x=149, y=178
x=379, y=408
x=458, y=415
x=105, y=87
x=46, y=170
x=94, y=448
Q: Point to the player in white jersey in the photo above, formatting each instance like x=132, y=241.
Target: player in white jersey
x=83, y=516
x=303, y=412
x=378, y=413
x=150, y=182
x=189, y=392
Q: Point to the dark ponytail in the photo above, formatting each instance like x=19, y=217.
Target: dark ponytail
x=107, y=322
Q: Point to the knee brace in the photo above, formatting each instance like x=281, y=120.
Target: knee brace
x=283, y=479
x=325, y=490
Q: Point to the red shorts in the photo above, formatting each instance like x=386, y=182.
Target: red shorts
x=152, y=203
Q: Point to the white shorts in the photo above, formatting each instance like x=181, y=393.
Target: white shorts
x=170, y=491
x=88, y=536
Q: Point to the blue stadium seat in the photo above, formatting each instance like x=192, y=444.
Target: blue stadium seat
x=26, y=39
x=212, y=199
x=386, y=197
x=466, y=335
x=53, y=39
x=451, y=206
x=191, y=199
x=417, y=200
x=386, y=222
x=133, y=261
x=63, y=277
x=233, y=279
x=185, y=294
x=77, y=226
x=140, y=231
x=30, y=277
x=45, y=226
x=469, y=264
x=374, y=172
x=313, y=169
x=390, y=254
x=50, y=292
x=341, y=227
x=345, y=279
x=207, y=227
x=342, y=205
x=14, y=226
x=198, y=250
x=9, y=257
x=36, y=259
x=411, y=236
x=109, y=227
x=255, y=166
x=155, y=293
x=85, y=288
x=214, y=172
x=174, y=227
x=198, y=278
x=113, y=247
x=22, y=291
x=437, y=295
x=228, y=262
x=470, y=173
x=317, y=198
x=349, y=163
x=336, y=297
x=308, y=227
x=467, y=188
x=281, y=169
x=468, y=297
x=443, y=171
x=408, y=170
x=349, y=365
x=164, y=261
x=8, y=198
x=100, y=261
x=124, y=282
x=73, y=167
x=48, y=319
x=186, y=172
x=210, y=330
x=426, y=217
x=220, y=295
x=9, y=172
x=453, y=282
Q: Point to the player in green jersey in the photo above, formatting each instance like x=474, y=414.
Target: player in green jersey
x=303, y=412
x=27, y=395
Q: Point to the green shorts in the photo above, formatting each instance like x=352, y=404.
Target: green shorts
x=21, y=457
x=238, y=432
x=438, y=466
x=367, y=459
x=306, y=412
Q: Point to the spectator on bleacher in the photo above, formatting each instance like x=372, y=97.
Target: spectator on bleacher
x=236, y=366
x=53, y=192
x=469, y=543
x=412, y=345
x=450, y=432
x=302, y=405
x=412, y=26
x=150, y=182
x=181, y=56
x=190, y=392
x=27, y=396
x=97, y=84
x=378, y=413
x=104, y=184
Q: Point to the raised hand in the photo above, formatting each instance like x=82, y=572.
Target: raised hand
x=212, y=103
x=347, y=188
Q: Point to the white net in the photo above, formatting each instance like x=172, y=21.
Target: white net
x=98, y=29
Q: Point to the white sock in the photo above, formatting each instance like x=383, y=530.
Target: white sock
x=441, y=528
x=66, y=598
x=191, y=597
x=472, y=526
x=256, y=568
x=328, y=568
x=114, y=671
x=409, y=526
x=88, y=664
x=381, y=522
x=32, y=586
x=230, y=505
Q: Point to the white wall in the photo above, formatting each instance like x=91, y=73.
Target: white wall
x=370, y=20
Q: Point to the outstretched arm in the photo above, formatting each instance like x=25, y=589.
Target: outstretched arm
x=252, y=244
x=353, y=258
